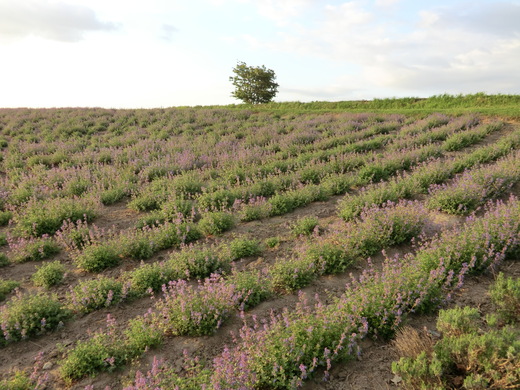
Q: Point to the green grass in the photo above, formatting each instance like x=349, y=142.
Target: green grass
x=496, y=105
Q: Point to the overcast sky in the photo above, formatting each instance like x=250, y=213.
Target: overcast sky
x=162, y=53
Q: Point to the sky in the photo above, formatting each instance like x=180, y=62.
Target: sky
x=163, y=53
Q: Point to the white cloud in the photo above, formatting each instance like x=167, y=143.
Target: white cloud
x=48, y=19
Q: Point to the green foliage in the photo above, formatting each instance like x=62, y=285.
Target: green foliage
x=458, y=321
x=34, y=249
x=253, y=85
x=196, y=263
x=108, y=349
x=5, y=217
x=30, y=314
x=148, y=276
x=305, y=226
x=4, y=260
x=216, y=222
x=332, y=257
x=6, y=286
x=97, y=257
x=92, y=294
x=3, y=239
x=19, y=381
x=244, y=247
x=40, y=218
x=49, y=274
x=505, y=295
x=292, y=274
x=253, y=287
x=272, y=242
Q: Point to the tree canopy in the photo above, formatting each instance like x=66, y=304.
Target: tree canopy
x=253, y=84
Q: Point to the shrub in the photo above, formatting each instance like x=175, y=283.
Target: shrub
x=162, y=376
x=292, y=274
x=217, y=222
x=305, y=226
x=3, y=239
x=46, y=217
x=93, y=294
x=148, y=276
x=196, y=263
x=33, y=249
x=97, y=257
x=244, y=247
x=108, y=349
x=330, y=257
x=5, y=217
x=6, y=286
x=113, y=195
x=253, y=287
x=30, y=314
x=188, y=310
x=505, y=295
x=49, y=274
x=272, y=242
x=4, y=260
x=477, y=359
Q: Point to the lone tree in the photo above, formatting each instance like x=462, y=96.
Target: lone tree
x=253, y=85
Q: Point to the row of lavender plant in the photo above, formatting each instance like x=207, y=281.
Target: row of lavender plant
x=474, y=187
x=282, y=353
x=186, y=310
x=420, y=179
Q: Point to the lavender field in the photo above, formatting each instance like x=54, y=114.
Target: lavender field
x=198, y=248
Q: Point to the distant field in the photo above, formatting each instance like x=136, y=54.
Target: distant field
x=259, y=247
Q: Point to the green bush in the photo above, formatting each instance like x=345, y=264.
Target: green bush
x=30, y=314
x=46, y=217
x=93, y=294
x=19, y=381
x=5, y=217
x=505, y=295
x=244, y=247
x=272, y=242
x=253, y=287
x=477, y=359
x=6, y=286
x=148, y=276
x=216, y=222
x=292, y=274
x=108, y=349
x=330, y=257
x=305, y=226
x=34, y=249
x=95, y=258
x=49, y=274
x=4, y=260
x=196, y=263
x=3, y=239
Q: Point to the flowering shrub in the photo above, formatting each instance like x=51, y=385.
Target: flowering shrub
x=97, y=257
x=163, y=376
x=30, y=314
x=109, y=348
x=294, y=273
x=4, y=260
x=39, y=218
x=252, y=287
x=32, y=249
x=188, y=310
x=93, y=294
